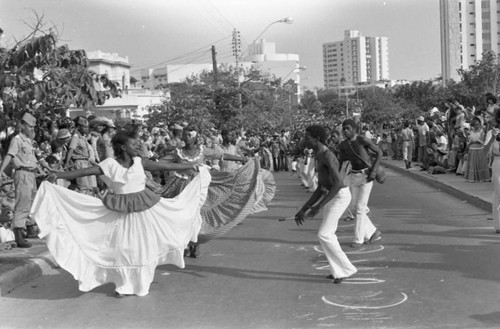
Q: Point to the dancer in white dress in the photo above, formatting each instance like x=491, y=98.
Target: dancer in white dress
x=123, y=237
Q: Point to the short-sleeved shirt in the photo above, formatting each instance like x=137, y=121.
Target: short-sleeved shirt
x=423, y=131
x=22, y=151
x=80, y=147
x=407, y=134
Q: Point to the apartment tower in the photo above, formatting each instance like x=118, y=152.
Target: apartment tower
x=468, y=28
x=356, y=59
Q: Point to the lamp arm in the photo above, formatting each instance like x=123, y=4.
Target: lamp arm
x=265, y=30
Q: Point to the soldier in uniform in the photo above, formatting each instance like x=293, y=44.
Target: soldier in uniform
x=22, y=155
x=79, y=152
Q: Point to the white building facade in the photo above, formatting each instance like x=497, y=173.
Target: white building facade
x=115, y=67
x=356, y=59
x=468, y=28
x=132, y=103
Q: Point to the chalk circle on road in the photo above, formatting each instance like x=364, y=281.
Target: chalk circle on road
x=370, y=300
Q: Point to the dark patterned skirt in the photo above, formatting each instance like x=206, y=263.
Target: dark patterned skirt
x=232, y=196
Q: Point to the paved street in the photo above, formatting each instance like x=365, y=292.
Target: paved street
x=435, y=267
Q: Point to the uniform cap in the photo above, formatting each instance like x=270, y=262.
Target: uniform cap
x=420, y=118
x=29, y=119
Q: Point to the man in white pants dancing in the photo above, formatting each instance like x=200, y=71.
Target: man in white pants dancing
x=331, y=196
x=355, y=148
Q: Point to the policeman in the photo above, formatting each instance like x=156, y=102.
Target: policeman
x=79, y=152
x=22, y=155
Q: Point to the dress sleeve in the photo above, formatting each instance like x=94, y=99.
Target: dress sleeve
x=113, y=170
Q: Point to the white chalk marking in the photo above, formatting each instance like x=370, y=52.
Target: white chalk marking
x=363, y=250
x=328, y=317
x=362, y=280
x=405, y=298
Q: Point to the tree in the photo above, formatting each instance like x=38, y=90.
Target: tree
x=482, y=77
x=379, y=106
x=205, y=100
x=38, y=76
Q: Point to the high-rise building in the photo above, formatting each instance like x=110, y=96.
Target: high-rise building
x=468, y=28
x=355, y=59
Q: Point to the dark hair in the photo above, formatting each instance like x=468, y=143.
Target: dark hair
x=121, y=138
x=51, y=159
x=350, y=122
x=318, y=132
x=491, y=97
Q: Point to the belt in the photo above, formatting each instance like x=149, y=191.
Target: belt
x=78, y=158
x=359, y=171
x=33, y=170
x=406, y=140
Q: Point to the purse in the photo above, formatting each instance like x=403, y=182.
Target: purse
x=380, y=174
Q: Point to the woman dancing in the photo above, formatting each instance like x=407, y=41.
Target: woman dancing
x=123, y=237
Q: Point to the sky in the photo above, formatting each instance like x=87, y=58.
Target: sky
x=155, y=32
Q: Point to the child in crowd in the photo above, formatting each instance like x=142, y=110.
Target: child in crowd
x=384, y=146
x=295, y=162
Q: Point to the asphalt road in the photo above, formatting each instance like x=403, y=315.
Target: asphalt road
x=435, y=267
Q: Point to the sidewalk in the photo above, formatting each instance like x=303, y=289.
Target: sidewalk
x=477, y=194
x=19, y=266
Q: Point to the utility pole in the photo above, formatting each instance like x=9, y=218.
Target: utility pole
x=236, y=53
x=214, y=61
x=216, y=80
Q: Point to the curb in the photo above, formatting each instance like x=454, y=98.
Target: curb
x=472, y=199
x=33, y=268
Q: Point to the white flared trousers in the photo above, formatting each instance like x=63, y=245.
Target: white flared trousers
x=340, y=265
x=360, y=191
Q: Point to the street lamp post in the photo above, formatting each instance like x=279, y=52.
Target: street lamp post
x=286, y=20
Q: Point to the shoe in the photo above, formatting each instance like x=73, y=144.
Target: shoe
x=356, y=245
x=118, y=295
x=497, y=231
x=21, y=243
x=375, y=236
x=31, y=232
x=194, y=250
x=335, y=280
x=348, y=218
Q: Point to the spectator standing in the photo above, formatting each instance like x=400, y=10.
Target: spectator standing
x=477, y=163
x=408, y=139
x=79, y=153
x=423, y=138
x=22, y=155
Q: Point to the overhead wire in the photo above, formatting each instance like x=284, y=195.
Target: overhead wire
x=183, y=56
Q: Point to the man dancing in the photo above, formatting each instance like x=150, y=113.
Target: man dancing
x=333, y=197
x=355, y=149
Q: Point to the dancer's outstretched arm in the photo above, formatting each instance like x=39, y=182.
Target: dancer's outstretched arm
x=95, y=170
x=166, y=166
